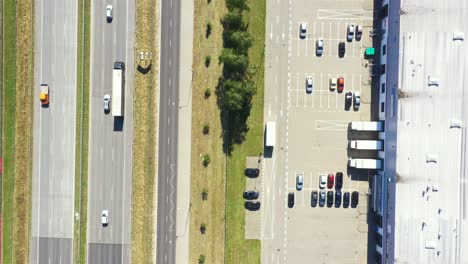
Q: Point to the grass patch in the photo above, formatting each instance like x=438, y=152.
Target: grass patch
x=82, y=131
x=238, y=249
x=144, y=138
x=205, y=111
x=223, y=211
x=8, y=126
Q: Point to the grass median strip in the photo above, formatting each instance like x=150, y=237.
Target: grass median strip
x=144, y=137
x=82, y=131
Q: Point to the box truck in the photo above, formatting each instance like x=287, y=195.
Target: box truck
x=270, y=137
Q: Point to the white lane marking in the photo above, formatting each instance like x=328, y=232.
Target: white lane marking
x=313, y=89
x=271, y=31
x=330, y=43
x=306, y=41
x=297, y=89
x=282, y=34
x=321, y=85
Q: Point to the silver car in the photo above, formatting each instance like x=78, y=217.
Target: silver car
x=107, y=103
x=357, y=100
x=350, y=33
x=299, y=181
x=309, y=84
x=322, y=198
x=319, y=47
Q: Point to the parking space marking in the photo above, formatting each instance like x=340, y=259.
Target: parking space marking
x=353, y=47
x=313, y=94
x=297, y=89
x=306, y=41
x=343, y=14
x=352, y=82
x=315, y=23
x=331, y=124
x=321, y=93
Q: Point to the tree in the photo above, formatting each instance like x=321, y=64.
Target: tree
x=240, y=41
x=201, y=259
x=233, y=20
x=209, y=28
x=207, y=60
x=206, y=160
x=240, y=4
x=204, y=194
x=237, y=94
x=207, y=93
x=203, y=228
x=234, y=63
x=206, y=129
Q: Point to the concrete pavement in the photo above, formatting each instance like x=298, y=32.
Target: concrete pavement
x=54, y=132
x=110, y=143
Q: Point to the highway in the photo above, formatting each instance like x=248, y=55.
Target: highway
x=54, y=132
x=168, y=140
x=110, y=144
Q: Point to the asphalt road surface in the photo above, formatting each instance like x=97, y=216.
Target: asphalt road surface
x=54, y=132
x=110, y=155
x=168, y=141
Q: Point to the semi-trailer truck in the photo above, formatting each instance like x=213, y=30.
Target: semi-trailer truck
x=366, y=144
x=270, y=137
x=118, y=91
x=367, y=126
x=365, y=163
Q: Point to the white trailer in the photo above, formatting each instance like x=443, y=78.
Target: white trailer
x=270, y=137
x=367, y=126
x=366, y=144
x=118, y=92
x=365, y=163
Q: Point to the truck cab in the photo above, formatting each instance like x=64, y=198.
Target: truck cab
x=44, y=95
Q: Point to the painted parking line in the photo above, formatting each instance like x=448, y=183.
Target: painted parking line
x=313, y=94
x=297, y=89
x=330, y=44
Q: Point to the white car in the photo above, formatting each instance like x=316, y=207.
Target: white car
x=303, y=30
x=357, y=100
x=323, y=181
x=299, y=181
x=107, y=99
x=109, y=13
x=309, y=84
x=350, y=33
x=333, y=84
x=105, y=217
x=319, y=47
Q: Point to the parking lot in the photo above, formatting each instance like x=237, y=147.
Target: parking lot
x=313, y=136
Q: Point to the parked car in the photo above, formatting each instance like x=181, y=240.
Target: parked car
x=339, y=180
x=340, y=84
x=107, y=99
x=357, y=100
x=291, y=200
x=348, y=99
x=319, y=47
x=313, y=198
x=350, y=33
x=341, y=49
x=105, y=217
x=109, y=13
x=333, y=84
x=252, y=172
x=330, y=181
x=252, y=206
x=299, y=181
x=358, y=32
x=337, y=199
x=329, y=198
x=303, y=30
x=251, y=195
x=354, y=199
x=346, y=200
x=323, y=181
x=309, y=84
x=322, y=198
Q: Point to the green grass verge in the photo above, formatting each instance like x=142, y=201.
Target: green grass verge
x=238, y=249
x=9, y=114
x=82, y=131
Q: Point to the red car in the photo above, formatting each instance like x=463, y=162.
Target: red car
x=331, y=181
x=340, y=84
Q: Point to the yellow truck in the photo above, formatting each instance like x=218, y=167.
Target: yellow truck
x=44, y=96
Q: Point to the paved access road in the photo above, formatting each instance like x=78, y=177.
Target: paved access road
x=54, y=132
x=168, y=140
x=110, y=145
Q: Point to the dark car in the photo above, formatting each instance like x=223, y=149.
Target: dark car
x=338, y=180
x=354, y=199
x=337, y=199
x=341, y=49
x=251, y=172
x=348, y=99
x=314, y=198
x=322, y=198
x=291, y=200
x=346, y=200
x=252, y=206
x=329, y=198
x=251, y=195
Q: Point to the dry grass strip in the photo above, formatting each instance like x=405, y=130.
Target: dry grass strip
x=211, y=211
x=144, y=138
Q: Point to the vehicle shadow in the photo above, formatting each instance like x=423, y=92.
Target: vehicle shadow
x=118, y=123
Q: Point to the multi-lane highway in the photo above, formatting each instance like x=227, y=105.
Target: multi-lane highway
x=54, y=132
x=110, y=144
x=168, y=125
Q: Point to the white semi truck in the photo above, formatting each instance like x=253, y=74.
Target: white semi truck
x=365, y=163
x=118, y=91
x=367, y=126
x=366, y=144
x=270, y=134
